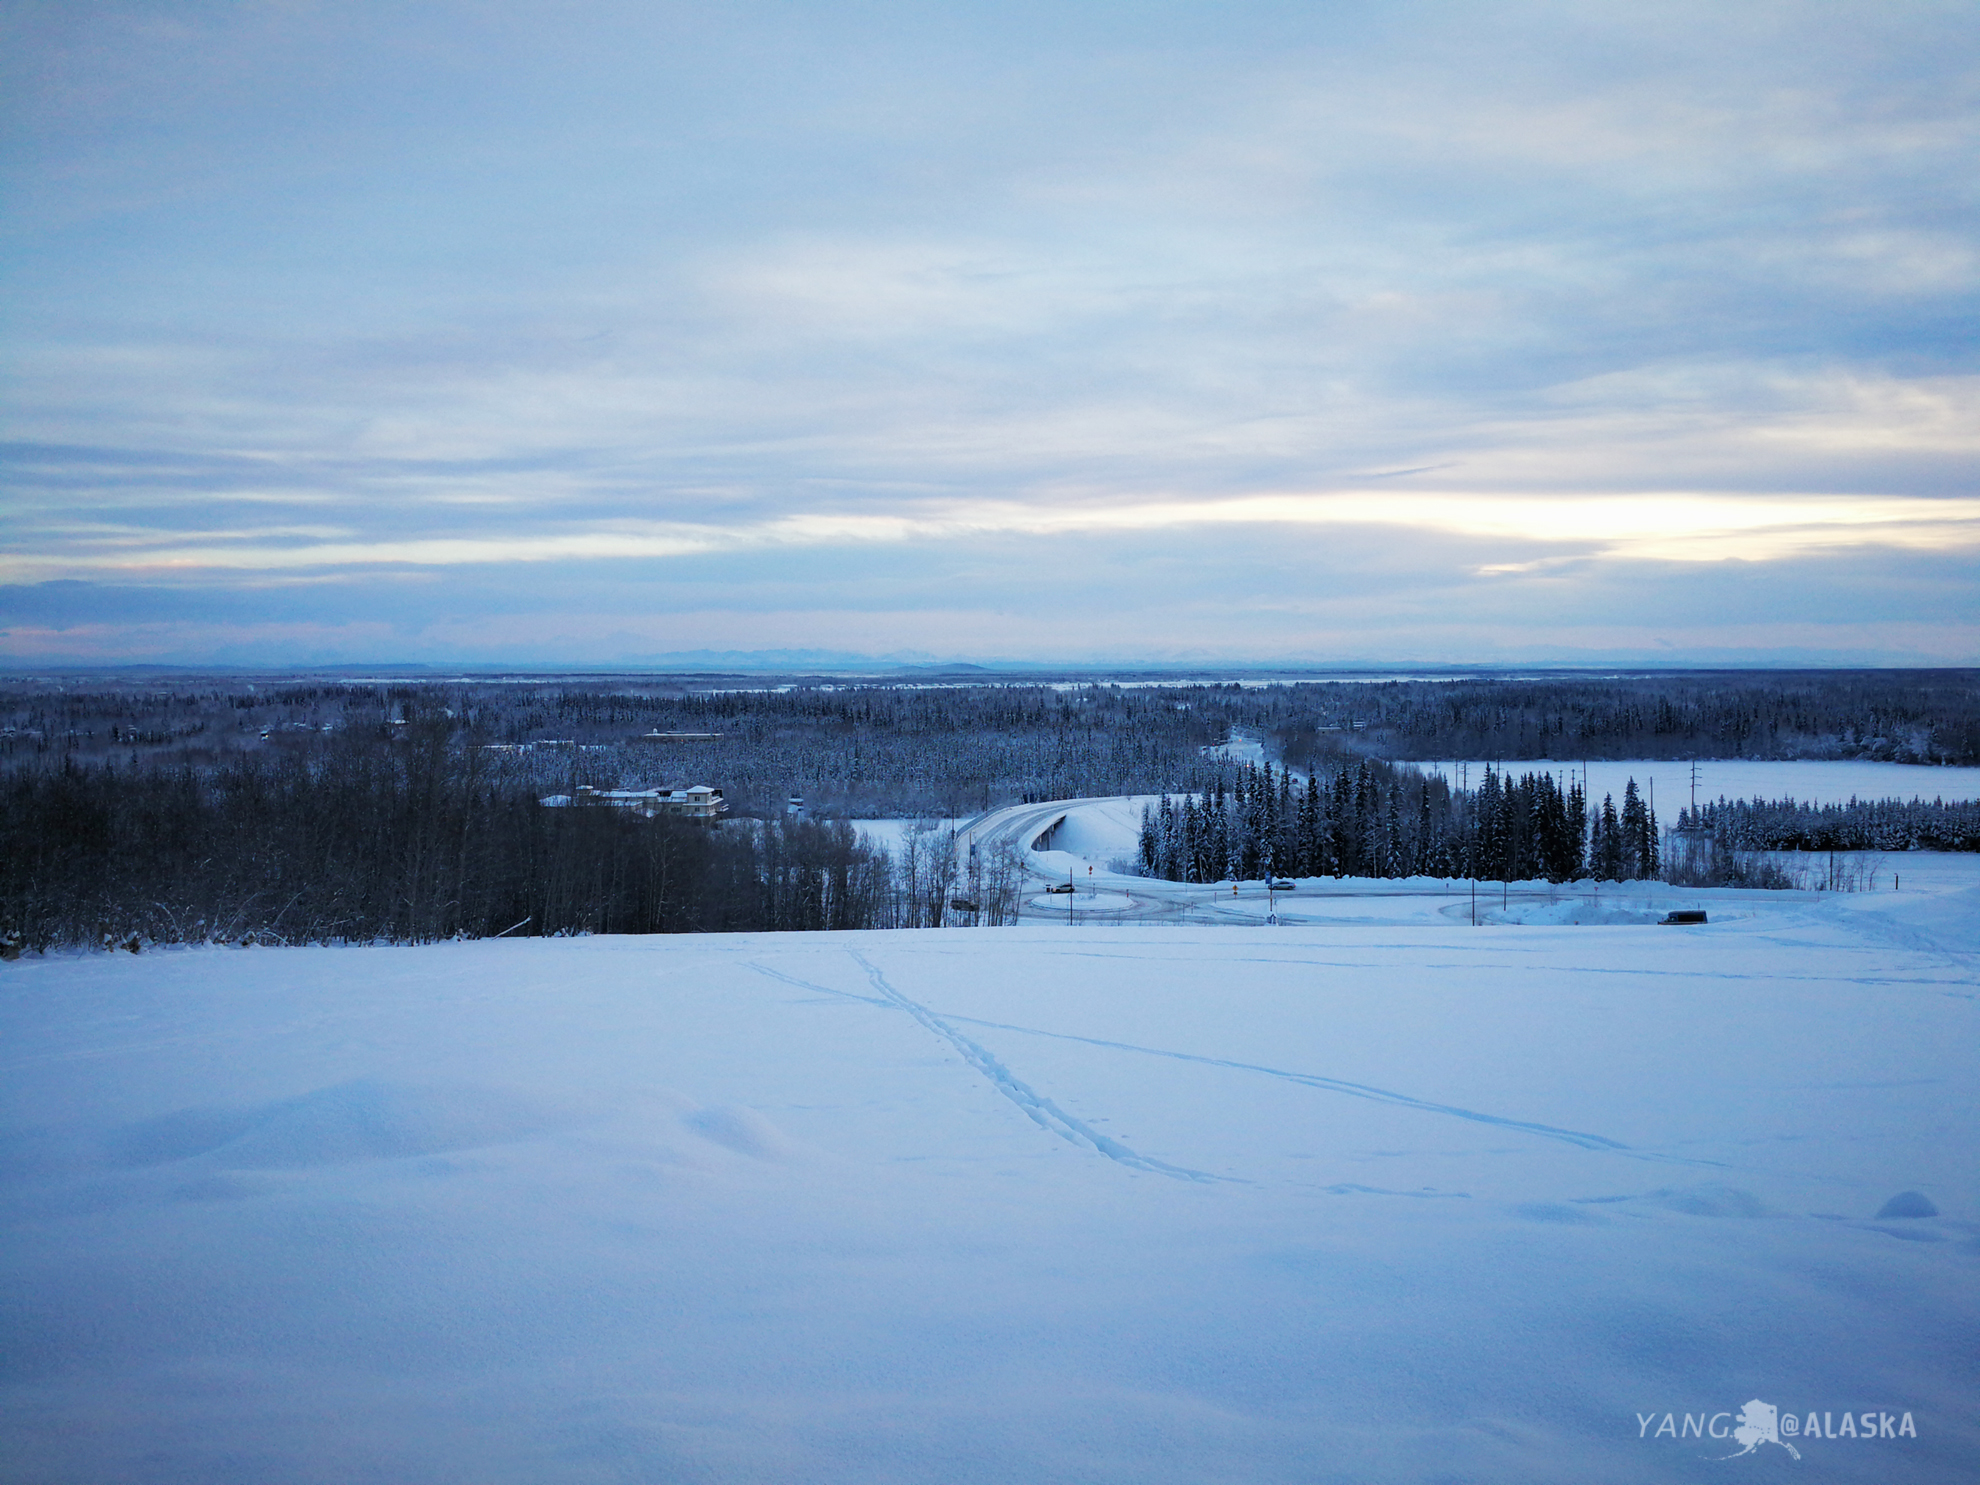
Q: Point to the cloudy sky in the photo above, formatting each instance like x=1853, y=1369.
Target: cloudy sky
x=589, y=333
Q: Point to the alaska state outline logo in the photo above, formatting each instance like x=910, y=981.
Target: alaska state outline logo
x=1759, y=1423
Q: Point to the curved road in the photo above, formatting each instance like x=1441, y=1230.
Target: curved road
x=1105, y=896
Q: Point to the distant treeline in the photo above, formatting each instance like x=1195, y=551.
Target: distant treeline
x=870, y=751
x=1860, y=825
x=412, y=841
x=878, y=750
x=1375, y=820
x=1895, y=716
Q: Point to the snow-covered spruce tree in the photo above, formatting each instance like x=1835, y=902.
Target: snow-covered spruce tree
x=1643, y=829
x=1423, y=857
x=1286, y=851
x=1311, y=856
x=1217, y=846
x=1574, y=848
x=1630, y=848
x=1392, y=838
x=1489, y=805
x=1606, y=849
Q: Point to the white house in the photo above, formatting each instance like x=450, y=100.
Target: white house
x=696, y=802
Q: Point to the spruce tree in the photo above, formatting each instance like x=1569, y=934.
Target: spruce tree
x=1574, y=859
x=1635, y=835
x=1607, y=846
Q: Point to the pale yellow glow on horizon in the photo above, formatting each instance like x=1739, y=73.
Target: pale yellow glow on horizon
x=1680, y=526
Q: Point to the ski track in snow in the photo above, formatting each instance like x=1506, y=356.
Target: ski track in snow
x=1358, y=1090
x=1039, y=1109
x=1048, y=1115
x=777, y=974
x=1882, y=931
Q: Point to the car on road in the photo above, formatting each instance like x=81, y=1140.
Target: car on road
x=1282, y=884
x=1063, y=888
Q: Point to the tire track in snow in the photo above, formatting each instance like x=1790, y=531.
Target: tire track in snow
x=1039, y=1109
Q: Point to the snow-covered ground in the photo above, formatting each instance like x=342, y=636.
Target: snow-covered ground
x=1401, y=1199
x=891, y=835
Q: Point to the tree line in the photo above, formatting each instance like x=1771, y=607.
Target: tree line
x=860, y=751
x=1859, y=825
x=418, y=839
x=1915, y=716
x=873, y=749
x=1371, y=819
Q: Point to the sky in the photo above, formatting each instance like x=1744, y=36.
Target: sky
x=597, y=334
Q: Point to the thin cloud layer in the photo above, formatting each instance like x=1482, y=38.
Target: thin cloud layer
x=490, y=320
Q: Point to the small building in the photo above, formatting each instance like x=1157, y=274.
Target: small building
x=696, y=802
x=563, y=744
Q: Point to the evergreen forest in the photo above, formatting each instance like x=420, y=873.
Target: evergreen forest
x=313, y=809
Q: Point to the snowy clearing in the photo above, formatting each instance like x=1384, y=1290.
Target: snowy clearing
x=891, y=836
x=1404, y=1200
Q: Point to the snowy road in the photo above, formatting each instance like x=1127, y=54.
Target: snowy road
x=1401, y=1200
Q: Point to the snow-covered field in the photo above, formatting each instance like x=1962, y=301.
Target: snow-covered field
x=1399, y=1200
x=892, y=835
